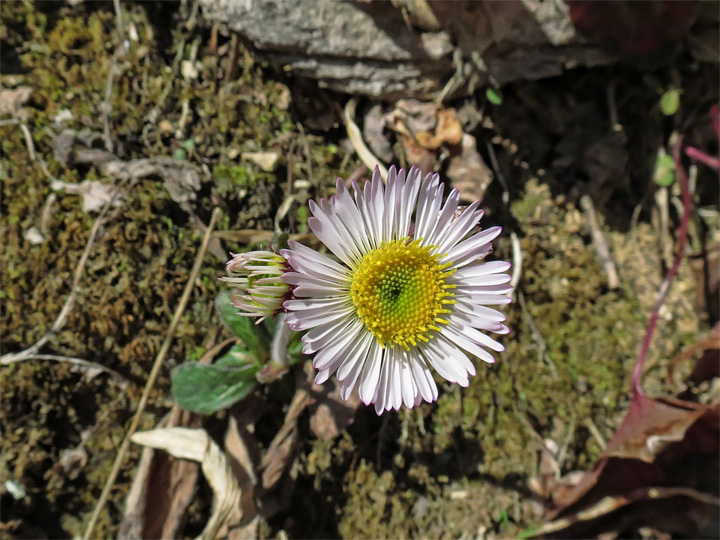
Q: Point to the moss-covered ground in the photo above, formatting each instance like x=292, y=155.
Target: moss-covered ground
x=456, y=468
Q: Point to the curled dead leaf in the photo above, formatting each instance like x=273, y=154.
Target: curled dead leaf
x=196, y=445
x=447, y=132
x=162, y=489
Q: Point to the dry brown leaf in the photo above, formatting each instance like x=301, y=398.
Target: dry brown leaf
x=708, y=365
x=662, y=442
x=374, y=134
x=239, y=458
x=449, y=129
x=468, y=172
x=278, y=455
x=181, y=179
x=162, y=489
x=418, y=155
x=443, y=127
x=658, y=505
x=196, y=445
x=413, y=115
x=330, y=414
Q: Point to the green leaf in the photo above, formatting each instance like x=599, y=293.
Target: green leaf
x=206, y=389
x=180, y=154
x=237, y=357
x=494, y=96
x=255, y=337
x=664, y=174
x=670, y=101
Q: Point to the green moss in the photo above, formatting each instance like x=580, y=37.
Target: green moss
x=231, y=178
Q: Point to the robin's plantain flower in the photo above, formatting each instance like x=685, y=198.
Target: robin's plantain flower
x=257, y=277
x=407, y=294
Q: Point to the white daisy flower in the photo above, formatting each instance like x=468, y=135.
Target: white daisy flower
x=408, y=293
x=257, y=276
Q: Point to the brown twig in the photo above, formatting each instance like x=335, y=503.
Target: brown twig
x=151, y=378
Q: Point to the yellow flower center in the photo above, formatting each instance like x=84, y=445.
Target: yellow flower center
x=400, y=293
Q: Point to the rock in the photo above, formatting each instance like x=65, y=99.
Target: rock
x=34, y=236
x=405, y=49
x=268, y=161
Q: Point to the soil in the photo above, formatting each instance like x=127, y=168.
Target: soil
x=183, y=90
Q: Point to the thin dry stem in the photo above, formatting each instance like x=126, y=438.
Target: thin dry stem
x=601, y=247
x=86, y=365
x=151, y=379
x=353, y=131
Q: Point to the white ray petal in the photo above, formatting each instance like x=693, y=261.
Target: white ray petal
x=325, y=334
x=478, y=310
x=408, y=198
x=423, y=377
x=461, y=341
x=308, y=318
x=335, y=353
x=477, y=337
x=429, y=201
x=446, y=362
x=310, y=257
x=389, y=216
x=473, y=246
x=407, y=382
x=370, y=377
x=443, y=222
x=329, y=236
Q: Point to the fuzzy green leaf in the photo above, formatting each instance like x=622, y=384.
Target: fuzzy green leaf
x=255, y=336
x=205, y=389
